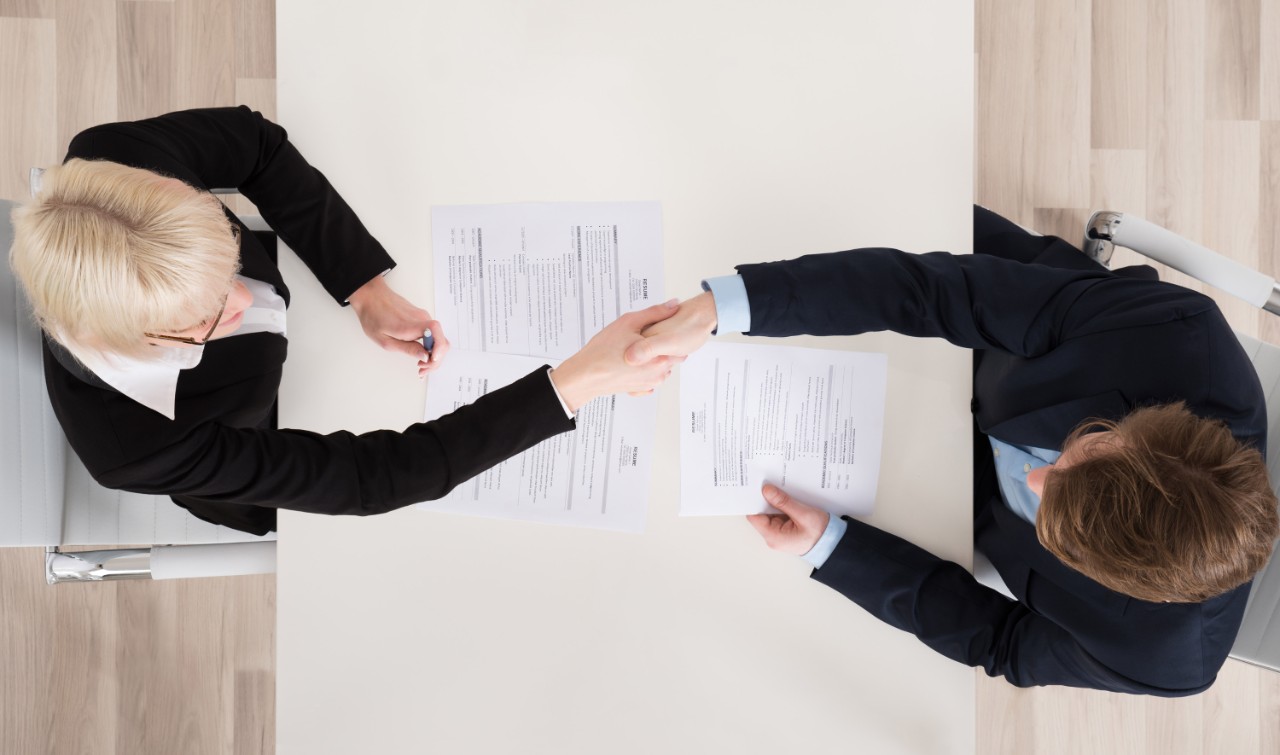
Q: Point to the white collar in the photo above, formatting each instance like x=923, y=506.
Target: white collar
x=153, y=381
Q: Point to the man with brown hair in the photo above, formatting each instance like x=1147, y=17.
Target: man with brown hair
x=1119, y=482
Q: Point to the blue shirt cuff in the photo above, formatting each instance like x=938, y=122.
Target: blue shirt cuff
x=733, y=311
x=826, y=545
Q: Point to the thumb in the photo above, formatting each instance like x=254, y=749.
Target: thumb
x=410, y=348
x=639, y=352
x=656, y=313
x=777, y=498
x=673, y=344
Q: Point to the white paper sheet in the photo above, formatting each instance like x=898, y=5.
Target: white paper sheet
x=596, y=476
x=542, y=278
x=810, y=421
x=538, y=280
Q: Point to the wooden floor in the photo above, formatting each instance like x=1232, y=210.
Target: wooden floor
x=1169, y=109
x=1166, y=108
x=134, y=668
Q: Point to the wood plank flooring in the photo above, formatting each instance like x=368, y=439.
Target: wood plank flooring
x=131, y=667
x=1166, y=108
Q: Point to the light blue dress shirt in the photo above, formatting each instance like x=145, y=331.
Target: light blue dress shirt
x=1013, y=463
x=733, y=312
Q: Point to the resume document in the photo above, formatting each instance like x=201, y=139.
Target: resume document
x=522, y=285
x=810, y=421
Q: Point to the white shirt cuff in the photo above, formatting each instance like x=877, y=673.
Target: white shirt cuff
x=733, y=311
x=559, y=398
x=826, y=545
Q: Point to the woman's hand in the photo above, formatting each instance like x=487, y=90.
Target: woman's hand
x=599, y=369
x=396, y=325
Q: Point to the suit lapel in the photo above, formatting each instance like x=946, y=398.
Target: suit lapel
x=1022, y=534
x=257, y=262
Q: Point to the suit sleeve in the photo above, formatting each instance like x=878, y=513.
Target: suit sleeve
x=974, y=301
x=948, y=610
x=236, y=147
x=346, y=473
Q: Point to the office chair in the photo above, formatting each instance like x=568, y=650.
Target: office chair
x=1259, y=639
x=48, y=498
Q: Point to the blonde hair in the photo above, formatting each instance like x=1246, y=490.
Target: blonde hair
x=107, y=252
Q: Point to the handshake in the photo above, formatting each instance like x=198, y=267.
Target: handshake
x=636, y=353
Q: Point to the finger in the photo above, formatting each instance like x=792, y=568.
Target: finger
x=761, y=524
x=672, y=344
x=441, y=345
x=643, y=318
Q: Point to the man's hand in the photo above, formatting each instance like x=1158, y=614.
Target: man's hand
x=796, y=530
x=396, y=325
x=599, y=368
x=677, y=336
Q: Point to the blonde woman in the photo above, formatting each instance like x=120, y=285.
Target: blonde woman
x=164, y=323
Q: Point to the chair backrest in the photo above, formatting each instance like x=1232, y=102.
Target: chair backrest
x=32, y=447
x=1259, y=639
x=47, y=497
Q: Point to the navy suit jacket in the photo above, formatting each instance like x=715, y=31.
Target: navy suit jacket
x=1058, y=339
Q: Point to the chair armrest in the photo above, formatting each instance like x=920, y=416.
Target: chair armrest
x=1167, y=247
x=161, y=562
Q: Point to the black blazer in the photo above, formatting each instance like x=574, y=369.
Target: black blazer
x=1059, y=340
x=220, y=457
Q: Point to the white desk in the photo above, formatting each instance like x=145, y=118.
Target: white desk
x=767, y=130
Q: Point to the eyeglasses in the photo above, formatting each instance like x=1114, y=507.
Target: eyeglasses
x=195, y=341
x=235, y=231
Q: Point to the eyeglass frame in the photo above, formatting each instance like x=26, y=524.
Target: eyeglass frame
x=235, y=231
x=188, y=339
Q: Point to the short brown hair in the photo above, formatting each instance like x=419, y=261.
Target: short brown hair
x=1173, y=509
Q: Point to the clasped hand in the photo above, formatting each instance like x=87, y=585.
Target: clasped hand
x=600, y=369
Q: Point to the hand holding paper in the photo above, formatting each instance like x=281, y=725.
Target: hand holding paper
x=808, y=420
x=796, y=529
